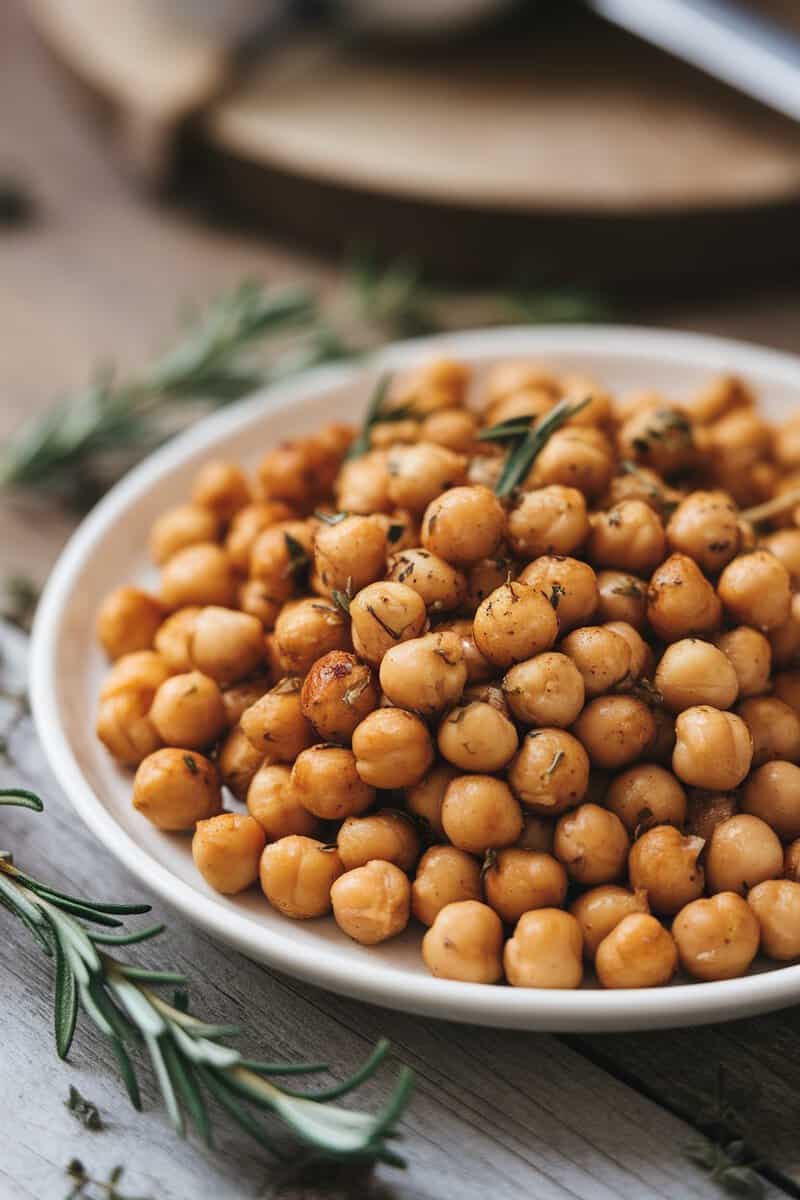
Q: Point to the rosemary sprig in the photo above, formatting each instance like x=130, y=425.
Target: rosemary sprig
x=526, y=441
x=189, y=1057
x=376, y=412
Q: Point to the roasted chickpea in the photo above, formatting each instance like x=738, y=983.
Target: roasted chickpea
x=477, y=737
x=516, y=881
x=445, y=875
x=615, y=730
x=774, y=728
x=420, y=473
x=694, y=672
x=383, y=614
x=546, y=951
x=238, y=762
x=464, y=525
x=716, y=938
x=247, y=524
x=549, y=520
x=478, y=668
x=646, y=795
x=181, y=526
x=200, y=574
x=719, y=396
x=173, y=638
x=271, y=802
x=705, y=526
x=750, y=656
x=638, y=952
x=529, y=402
x=743, y=851
x=660, y=438
x=290, y=472
x=142, y=671
x=337, y=694
x=297, y=874
x=514, y=623
x=325, y=781
x=221, y=487
x=630, y=536
x=602, y=657
x=425, y=674
x=388, y=835
x=538, y=833
x=622, y=597
x=642, y=662
x=681, y=601
x=174, y=789
x=773, y=793
x=545, y=690
x=756, y=590
x=706, y=810
x=188, y=711
x=240, y=696
x=480, y=813
x=784, y=544
x=550, y=773
x=454, y=428
x=280, y=557
x=439, y=384
x=465, y=942
x=516, y=375
x=592, y=844
x=393, y=748
x=225, y=644
x=568, y=584
x=227, y=850
x=441, y=586
x=601, y=909
x=424, y=800
x=713, y=749
x=275, y=724
x=577, y=458
x=487, y=576
x=362, y=485
x=128, y=621
x=786, y=686
x=372, y=902
x=664, y=864
x=784, y=640
x=791, y=861
x=734, y=443
x=349, y=553
x=308, y=629
x=255, y=599
x=125, y=728
x=776, y=904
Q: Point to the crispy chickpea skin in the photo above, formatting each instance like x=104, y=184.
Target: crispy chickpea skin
x=487, y=576
x=393, y=748
x=776, y=904
x=388, y=835
x=694, y=672
x=592, y=843
x=247, y=524
x=225, y=644
x=200, y=574
x=577, y=458
x=660, y=438
x=221, y=487
x=454, y=428
x=352, y=551
x=238, y=697
x=338, y=692
x=275, y=724
x=188, y=711
x=756, y=590
x=774, y=728
x=254, y=598
x=750, y=656
x=480, y=813
x=773, y=794
x=705, y=526
x=713, y=749
x=602, y=657
x=464, y=525
x=477, y=737
x=615, y=730
x=128, y=621
x=663, y=862
x=325, y=781
x=569, y=585
x=546, y=951
x=362, y=485
x=445, y=875
x=681, y=601
x=297, y=874
x=174, y=789
x=425, y=674
x=272, y=802
x=637, y=953
x=306, y=630
x=279, y=558
x=622, y=597
x=173, y=638
x=600, y=909
x=142, y=671
x=785, y=545
x=517, y=881
x=743, y=851
x=238, y=762
x=549, y=520
x=372, y=902
x=465, y=942
x=551, y=772
x=716, y=938
x=383, y=614
x=226, y=850
x=630, y=537
x=124, y=727
x=514, y=623
x=420, y=473
x=646, y=795
x=181, y=526
x=441, y=586
x=545, y=690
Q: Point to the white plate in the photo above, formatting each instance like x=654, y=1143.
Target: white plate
x=109, y=548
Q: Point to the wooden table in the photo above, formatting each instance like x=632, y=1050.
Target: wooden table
x=495, y=1114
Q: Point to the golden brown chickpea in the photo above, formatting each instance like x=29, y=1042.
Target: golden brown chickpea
x=545, y=690
x=454, y=428
x=440, y=585
x=776, y=904
x=743, y=851
x=271, y=801
x=439, y=384
x=516, y=375
x=174, y=789
x=238, y=762
x=615, y=730
x=639, y=952
x=773, y=793
x=424, y=800
x=784, y=544
x=124, y=726
x=756, y=590
x=477, y=737
x=173, y=637
x=719, y=396
x=592, y=843
x=480, y=813
x=200, y=574
x=297, y=874
x=735, y=442
x=181, y=526
x=372, y=902
x=546, y=951
x=786, y=686
x=622, y=597
x=225, y=644
x=581, y=388
x=577, y=458
x=349, y=553
x=289, y=472
x=664, y=863
x=551, y=772
x=362, y=485
x=420, y=473
x=337, y=694
x=280, y=557
x=275, y=724
x=774, y=728
x=254, y=598
x=388, y=835
x=642, y=661
x=247, y=524
x=601, y=909
x=791, y=861
x=529, y=402
x=681, y=601
x=240, y=696
x=307, y=629
x=705, y=526
x=646, y=795
x=128, y=621
x=659, y=438
x=188, y=711
x=465, y=942
x=221, y=487
x=716, y=938
x=425, y=675
x=487, y=576
x=385, y=434
x=445, y=875
x=538, y=833
x=602, y=657
x=464, y=525
x=707, y=810
x=568, y=584
x=693, y=672
x=784, y=639
x=226, y=850
x=645, y=485
x=478, y=669
x=750, y=656
x=383, y=614
x=514, y=623
x=393, y=748
x=142, y=671
x=325, y=781
x=630, y=537
x=516, y=881
x=549, y=520
x=713, y=749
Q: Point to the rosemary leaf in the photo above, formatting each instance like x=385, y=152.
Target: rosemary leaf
x=524, y=450
x=373, y=415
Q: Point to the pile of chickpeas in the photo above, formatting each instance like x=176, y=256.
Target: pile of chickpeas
x=560, y=730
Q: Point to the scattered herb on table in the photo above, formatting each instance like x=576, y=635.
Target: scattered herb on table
x=20, y=597
x=84, y=1187
x=84, y=1110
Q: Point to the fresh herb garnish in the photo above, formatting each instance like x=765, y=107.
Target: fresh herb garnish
x=21, y=596
x=524, y=447
x=393, y=633
x=84, y=1110
x=191, y=764
x=376, y=413
x=330, y=518
x=343, y=598
x=298, y=556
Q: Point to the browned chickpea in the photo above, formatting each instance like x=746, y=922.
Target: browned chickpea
x=439, y=384
x=516, y=881
x=719, y=396
x=385, y=434
x=124, y=726
x=707, y=810
x=756, y=590
x=174, y=789
x=602, y=657
x=271, y=801
x=664, y=863
x=568, y=584
x=465, y=942
x=774, y=728
x=227, y=850
x=424, y=800
x=773, y=793
x=630, y=536
x=454, y=428
x=240, y=696
x=393, y=748
x=705, y=526
x=349, y=553
x=546, y=951
x=128, y=621
x=297, y=874
x=487, y=576
x=288, y=472
x=784, y=544
x=173, y=637
x=325, y=781
x=221, y=487
x=225, y=644
x=199, y=574
x=713, y=749
x=592, y=843
x=639, y=952
x=601, y=909
x=615, y=730
x=362, y=485
x=337, y=694
x=516, y=375
x=622, y=597
x=529, y=402
x=142, y=671
x=693, y=672
x=480, y=813
x=681, y=601
x=577, y=458
x=389, y=835
x=750, y=656
x=514, y=623
x=791, y=861
x=478, y=669
x=735, y=442
x=372, y=902
x=181, y=526
x=659, y=438
x=545, y=690
x=662, y=745
x=645, y=485
x=716, y=938
x=275, y=724
x=551, y=772
x=420, y=473
x=280, y=556
x=306, y=630
x=646, y=795
x=254, y=598
x=247, y=524
x=445, y=875
x=485, y=468
x=238, y=762
x=464, y=525
x=477, y=737
x=786, y=686
x=425, y=675
x=383, y=614
x=784, y=639
x=440, y=585
x=642, y=662
x=549, y=520
x=776, y=904
x=188, y=711
x=743, y=851
x=538, y=833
